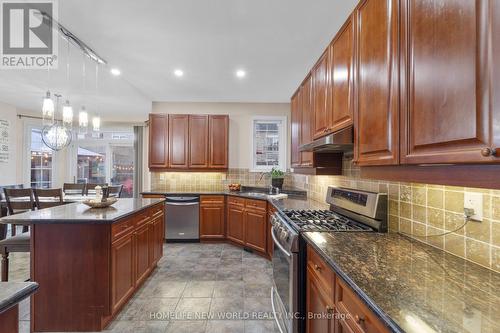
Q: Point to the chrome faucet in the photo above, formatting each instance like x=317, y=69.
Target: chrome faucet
x=273, y=190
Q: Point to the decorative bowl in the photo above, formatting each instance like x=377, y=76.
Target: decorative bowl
x=234, y=187
x=100, y=204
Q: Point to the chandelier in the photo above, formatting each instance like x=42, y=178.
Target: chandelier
x=58, y=134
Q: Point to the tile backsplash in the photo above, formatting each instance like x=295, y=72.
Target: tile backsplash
x=423, y=210
x=419, y=210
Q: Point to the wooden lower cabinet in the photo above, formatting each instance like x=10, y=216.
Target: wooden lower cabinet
x=331, y=305
x=320, y=305
x=9, y=320
x=236, y=224
x=247, y=223
x=122, y=271
x=255, y=229
x=135, y=254
x=143, y=248
x=212, y=217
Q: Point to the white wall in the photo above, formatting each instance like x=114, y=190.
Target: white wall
x=240, y=122
x=10, y=172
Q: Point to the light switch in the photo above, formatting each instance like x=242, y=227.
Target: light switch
x=474, y=201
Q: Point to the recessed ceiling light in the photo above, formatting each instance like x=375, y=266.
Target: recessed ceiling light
x=115, y=71
x=241, y=73
x=178, y=73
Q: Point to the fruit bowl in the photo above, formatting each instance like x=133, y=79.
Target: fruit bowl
x=234, y=187
x=92, y=203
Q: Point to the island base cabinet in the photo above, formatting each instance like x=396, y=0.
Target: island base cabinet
x=9, y=320
x=87, y=272
x=122, y=271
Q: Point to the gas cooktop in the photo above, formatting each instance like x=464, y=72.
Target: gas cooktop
x=323, y=220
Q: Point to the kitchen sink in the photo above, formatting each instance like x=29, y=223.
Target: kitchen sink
x=256, y=194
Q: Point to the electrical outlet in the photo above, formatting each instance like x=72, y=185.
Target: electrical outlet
x=162, y=176
x=474, y=201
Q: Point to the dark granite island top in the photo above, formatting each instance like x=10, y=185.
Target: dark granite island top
x=11, y=293
x=411, y=286
x=77, y=213
x=90, y=262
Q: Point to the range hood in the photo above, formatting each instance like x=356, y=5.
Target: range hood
x=341, y=141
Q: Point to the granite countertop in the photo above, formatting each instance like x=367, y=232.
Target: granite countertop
x=291, y=192
x=411, y=286
x=11, y=293
x=80, y=213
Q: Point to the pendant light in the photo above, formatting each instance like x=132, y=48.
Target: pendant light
x=96, y=121
x=48, y=105
x=83, y=116
x=56, y=136
x=67, y=112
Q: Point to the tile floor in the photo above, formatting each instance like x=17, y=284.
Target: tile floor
x=205, y=288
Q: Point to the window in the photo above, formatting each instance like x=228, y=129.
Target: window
x=269, y=143
x=106, y=158
x=41, y=161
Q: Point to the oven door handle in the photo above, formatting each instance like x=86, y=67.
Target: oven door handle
x=275, y=240
x=274, y=311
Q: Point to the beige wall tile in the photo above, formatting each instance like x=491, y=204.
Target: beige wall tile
x=478, y=252
x=393, y=207
x=405, y=226
x=405, y=210
x=454, y=201
x=436, y=241
x=419, y=213
x=455, y=244
x=435, y=198
x=495, y=209
x=435, y=217
x=393, y=223
x=495, y=258
x=419, y=195
x=478, y=230
x=495, y=233
x=405, y=193
x=452, y=221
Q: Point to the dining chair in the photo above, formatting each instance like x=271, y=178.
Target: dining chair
x=90, y=187
x=18, y=201
x=73, y=189
x=115, y=191
x=46, y=198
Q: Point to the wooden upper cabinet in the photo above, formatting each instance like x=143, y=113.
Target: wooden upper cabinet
x=340, y=89
x=446, y=115
x=179, y=141
x=198, y=138
x=158, y=141
x=218, y=141
x=178, y=130
x=295, y=130
x=377, y=91
x=319, y=96
x=306, y=120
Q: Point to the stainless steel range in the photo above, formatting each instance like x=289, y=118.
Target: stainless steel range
x=350, y=211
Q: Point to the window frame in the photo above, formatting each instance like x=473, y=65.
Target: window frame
x=29, y=126
x=283, y=146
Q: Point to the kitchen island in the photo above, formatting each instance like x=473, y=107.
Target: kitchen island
x=89, y=262
x=11, y=294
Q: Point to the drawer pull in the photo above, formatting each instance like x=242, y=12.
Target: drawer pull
x=359, y=320
x=318, y=268
x=329, y=309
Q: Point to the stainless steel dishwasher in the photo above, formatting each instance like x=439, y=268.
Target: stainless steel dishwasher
x=182, y=218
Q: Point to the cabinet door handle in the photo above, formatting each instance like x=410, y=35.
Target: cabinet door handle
x=359, y=320
x=318, y=268
x=329, y=309
x=488, y=152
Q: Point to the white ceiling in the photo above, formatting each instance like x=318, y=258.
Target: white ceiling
x=275, y=41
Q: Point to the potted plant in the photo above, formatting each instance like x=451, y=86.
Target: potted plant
x=277, y=177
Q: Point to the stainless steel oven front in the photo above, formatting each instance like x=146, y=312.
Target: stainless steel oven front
x=284, y=298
